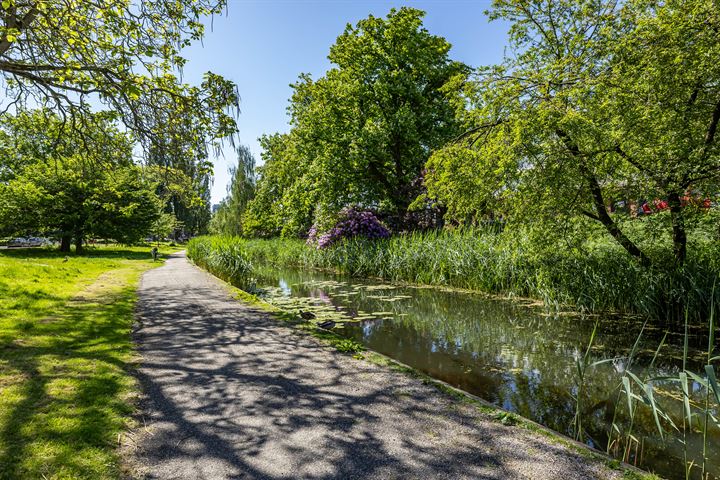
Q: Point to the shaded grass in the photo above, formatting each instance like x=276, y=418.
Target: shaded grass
x=65, y=352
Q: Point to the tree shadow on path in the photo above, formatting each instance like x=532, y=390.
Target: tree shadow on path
x=232, y=393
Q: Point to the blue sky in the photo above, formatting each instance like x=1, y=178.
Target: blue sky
x=263, y=45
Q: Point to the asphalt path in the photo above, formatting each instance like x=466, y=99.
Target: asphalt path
x=230, y=393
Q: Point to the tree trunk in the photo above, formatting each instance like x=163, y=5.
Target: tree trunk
x=65, y=243
x=612, y=228
x=679, y=235
x=78, y=243
x=602, y=214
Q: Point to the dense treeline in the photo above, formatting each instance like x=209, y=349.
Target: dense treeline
x=68, y=170
x=50, y=186
x=600, y=113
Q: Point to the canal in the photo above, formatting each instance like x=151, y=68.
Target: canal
x=524, y=359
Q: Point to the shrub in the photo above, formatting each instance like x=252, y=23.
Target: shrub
x=353, y=223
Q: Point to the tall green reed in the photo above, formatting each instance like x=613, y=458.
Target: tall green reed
x=638, y=391
x=601, y=277
x=224, y=257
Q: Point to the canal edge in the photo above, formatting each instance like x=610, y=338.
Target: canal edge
x=493, y=412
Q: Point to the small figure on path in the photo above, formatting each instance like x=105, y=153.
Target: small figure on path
x=154, y=253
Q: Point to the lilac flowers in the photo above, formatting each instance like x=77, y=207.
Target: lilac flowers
x=352, y=223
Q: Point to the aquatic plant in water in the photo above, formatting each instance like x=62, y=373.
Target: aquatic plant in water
x=699, y=393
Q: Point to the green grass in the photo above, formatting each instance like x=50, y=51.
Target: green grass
x=66, y=388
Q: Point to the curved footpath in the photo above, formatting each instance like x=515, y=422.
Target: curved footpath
x=233, y=393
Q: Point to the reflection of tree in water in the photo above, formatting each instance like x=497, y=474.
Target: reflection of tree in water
x=516, y=357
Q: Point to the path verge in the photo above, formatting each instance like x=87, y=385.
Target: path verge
x=233, y=393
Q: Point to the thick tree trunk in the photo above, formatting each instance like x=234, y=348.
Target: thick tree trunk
x=65, y=243
x=679, y=234
x=78, y=243
x=612, y=228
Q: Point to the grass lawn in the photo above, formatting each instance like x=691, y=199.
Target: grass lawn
x=66, y=389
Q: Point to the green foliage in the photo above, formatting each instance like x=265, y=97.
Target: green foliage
x=228, y=220
x=224, y=257
x=49, y=188
x=164, y=226
x=121, y=206
x=566, y=125
x=361, y=133
x=506, y=418
x=126, y=55
x=32, y=136
x=347, y=345
x=66, y=198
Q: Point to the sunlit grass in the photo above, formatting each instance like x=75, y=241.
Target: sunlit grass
x=65, y=351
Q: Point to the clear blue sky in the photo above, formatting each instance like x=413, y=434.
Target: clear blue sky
x=263, y=45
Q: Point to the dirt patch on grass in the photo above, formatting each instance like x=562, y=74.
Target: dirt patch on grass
x=97, y=291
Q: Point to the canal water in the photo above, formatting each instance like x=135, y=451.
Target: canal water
x=521, y=358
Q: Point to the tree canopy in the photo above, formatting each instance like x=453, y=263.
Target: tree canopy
x=229, y=218
x=68, y=55
x=597, y=102
x=362, y=132
x=57, y=191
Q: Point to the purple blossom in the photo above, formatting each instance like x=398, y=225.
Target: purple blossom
x=312, y=235
x=352, y=223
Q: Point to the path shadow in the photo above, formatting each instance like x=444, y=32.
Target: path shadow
x=231, y=393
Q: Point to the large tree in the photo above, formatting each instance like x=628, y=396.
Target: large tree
x=287, y=196
x=64, y=198
x=50, y=187
x=229, y=218
x=68, y=55
x=362, y=132
x=597, y=101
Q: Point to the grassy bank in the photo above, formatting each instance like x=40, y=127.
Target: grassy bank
x=597, y=275
x=65, y=353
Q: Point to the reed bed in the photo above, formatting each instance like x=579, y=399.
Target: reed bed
x=224, y=257
x=598, y=277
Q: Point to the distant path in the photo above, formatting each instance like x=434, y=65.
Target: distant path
x=232, y=393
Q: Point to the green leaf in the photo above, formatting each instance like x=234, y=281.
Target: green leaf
x=686, y=397
x=710, y=371
x=698, y=379
x=628, y=395
x=651, y=397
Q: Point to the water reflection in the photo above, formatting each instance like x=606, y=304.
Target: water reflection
x=514, y=356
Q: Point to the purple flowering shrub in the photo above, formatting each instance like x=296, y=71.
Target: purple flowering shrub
x=352, y=223
x=312, y=235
